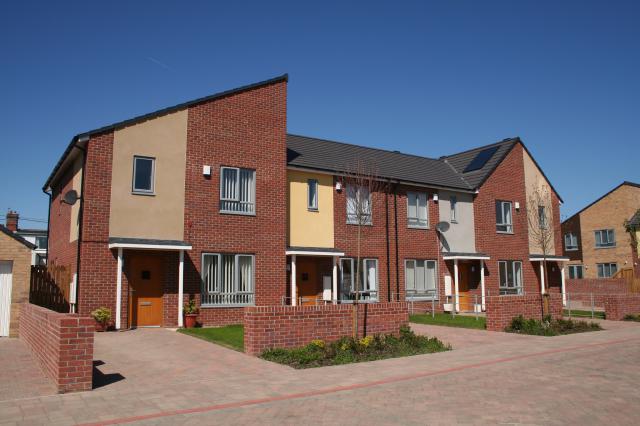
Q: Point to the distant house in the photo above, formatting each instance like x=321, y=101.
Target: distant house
x=15, y=270
x=595, y=239
x=37, y=237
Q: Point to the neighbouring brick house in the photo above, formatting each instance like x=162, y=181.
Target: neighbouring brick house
x=595, y=239
x=15, y=272
x=212, y=200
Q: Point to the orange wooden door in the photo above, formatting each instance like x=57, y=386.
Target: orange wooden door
x=307, y=281
x=463, y=287
x=146, y=290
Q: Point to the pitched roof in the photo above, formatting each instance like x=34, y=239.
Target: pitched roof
x=635, y=219
x=16, y=237
x=626, y=182
x=158, y=113
x=332, y=156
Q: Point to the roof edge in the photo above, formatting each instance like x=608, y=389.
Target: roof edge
x=626, y=182
x=17, y=237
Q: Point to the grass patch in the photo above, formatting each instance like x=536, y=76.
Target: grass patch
x=230, y=336
x=550, y=327
x=632, y=317
x=583, y=313
x=348, y=350
x=449, y=320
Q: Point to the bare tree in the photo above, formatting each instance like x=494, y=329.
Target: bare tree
x=361, y=181
x=541, y=231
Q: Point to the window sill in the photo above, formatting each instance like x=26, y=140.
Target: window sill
x=309, y=209
x=505, y=232
x=230, y=305
x=148, y=194
x=604, y=247
x=571, y=249
x=236, y=213
x=417, y=227
x=358, y=224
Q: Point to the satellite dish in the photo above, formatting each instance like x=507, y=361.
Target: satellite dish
x=71, y=197
x=442, y=227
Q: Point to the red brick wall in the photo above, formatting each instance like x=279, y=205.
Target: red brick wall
x=596, y=286
x=293, y=326
x=62, y=252
x=502, y=309
x=572, y=225
x=619, y=305
x=243, y=130
x=62, y=344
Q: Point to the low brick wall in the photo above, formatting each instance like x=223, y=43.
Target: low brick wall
x=580, y=287
x=502, y=309
x=292, y=326
x=63, y=345
x=616, y=306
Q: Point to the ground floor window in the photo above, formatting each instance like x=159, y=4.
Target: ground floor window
x=606, y=270
x=420, y=278
x=227, y=279
x=368, y=286
x=575, y=271
x=510, y=276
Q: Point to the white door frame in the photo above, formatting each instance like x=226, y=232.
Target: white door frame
x=6, y=278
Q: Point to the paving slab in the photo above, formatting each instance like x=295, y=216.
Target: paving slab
x=20, y=373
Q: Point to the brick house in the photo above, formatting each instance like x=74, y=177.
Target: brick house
x=213, y=201
x=595, y=239
x=15, y=272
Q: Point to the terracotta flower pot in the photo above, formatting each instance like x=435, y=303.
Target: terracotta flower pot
x=190, y=320
x=101, y=326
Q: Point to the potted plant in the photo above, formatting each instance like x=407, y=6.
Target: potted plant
x=102, y=316
x=190, y=314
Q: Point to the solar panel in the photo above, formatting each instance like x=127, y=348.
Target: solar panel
x=480, y=159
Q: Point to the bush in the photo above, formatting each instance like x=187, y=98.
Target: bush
x=549, y=326
x=347, y=349
x=632, y=317
x=102, y=315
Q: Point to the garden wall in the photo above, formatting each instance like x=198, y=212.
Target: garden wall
x=584, y=287
x=502, y=309
x=292, y=326
x=62, y=344
x=616, y=306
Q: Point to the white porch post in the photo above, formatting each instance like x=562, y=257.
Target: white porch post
x=482, y=281
x=542, y=289
x=180, y=286
x=294, y=295
x=455, y=281
x=564, y=291
x=119, y=290
x=334, y=290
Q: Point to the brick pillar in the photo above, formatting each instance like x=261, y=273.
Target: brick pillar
x=12, y=221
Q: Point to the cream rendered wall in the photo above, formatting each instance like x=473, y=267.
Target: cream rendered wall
x=310, y=228
x=74, y=225
x=460, y=237
x=533, y=180
x=158, y=216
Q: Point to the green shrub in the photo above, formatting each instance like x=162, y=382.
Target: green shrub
x=632, y=317
x=347, y=350
x=102, y=315
x=549, y=326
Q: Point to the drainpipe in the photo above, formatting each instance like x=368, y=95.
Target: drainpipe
x=80, y=219
x=395, y=218
x=386, y=202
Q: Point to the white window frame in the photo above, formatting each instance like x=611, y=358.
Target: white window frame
x=414, y=222
x=508, y=225
x=236, y=199
x=575, y=268
x=611, y=242
x=453, y=203
x=427, y=295
x=144, y=191
x=356, y=190
x=569, y=238
x=542, y=217
x=235, y=298
x=312, y=204
x=503, y=287
x=365, y=292
x=608, y=266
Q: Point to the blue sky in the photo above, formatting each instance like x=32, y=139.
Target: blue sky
x=429, y=78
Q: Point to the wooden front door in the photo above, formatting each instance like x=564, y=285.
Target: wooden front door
x=309, y=289
x=466, y=303
x=145, y=280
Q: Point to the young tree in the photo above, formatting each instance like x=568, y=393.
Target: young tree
x=361, y=181
x=541, y=231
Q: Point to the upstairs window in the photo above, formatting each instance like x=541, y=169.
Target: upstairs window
x=570, y=241
x=606, y=270
x=510, y=276
x=312, y=194
x=417, y=211
x=237, y=190
x=605, y=238
x=143, y=174
x=504, y=221
x=542, y=217
x=41, y=242
x=453, y=201
x=358, y=205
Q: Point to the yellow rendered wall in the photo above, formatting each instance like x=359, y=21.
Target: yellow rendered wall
x=310, y=228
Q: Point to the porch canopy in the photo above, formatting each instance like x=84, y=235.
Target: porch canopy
x=335, y=254
x=456, y=257
x=148, y=244
x=550, y=258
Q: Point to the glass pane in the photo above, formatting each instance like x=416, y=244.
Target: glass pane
x=247, y=189
x=210, y=273
x=499, y=212
x=347, y=276
x=370, y=268
x=517, y=273
x=420, y=276
x=579, y=270
x=614, y=269
x=312, y=191
x=507, y=213
x=143, y=178
x=598, y=238
x=422, y=209
x=510, y=278
x=410, y=275
x=503, y=273
x=229, y=180
x=245, y=274
x=412, y=208
x=228, y=272
x=430, y=283
x=351, y=204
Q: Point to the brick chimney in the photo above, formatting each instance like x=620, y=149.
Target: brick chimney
x=12, y=220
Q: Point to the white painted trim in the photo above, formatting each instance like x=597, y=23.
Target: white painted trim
x=455, y=280
x=119, y=290
x=334, y=277
x=542, y=289
x=313, y=253
x=564, y=291
x=445, y=257
x=294, y=295
x=482, y=283
x=550, y=259
x=180, y=286
x=148, y=246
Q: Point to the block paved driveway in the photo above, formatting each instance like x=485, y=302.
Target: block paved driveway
x=157, y=376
